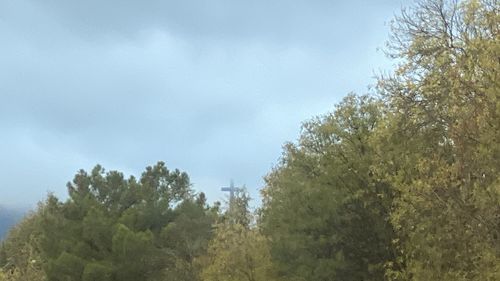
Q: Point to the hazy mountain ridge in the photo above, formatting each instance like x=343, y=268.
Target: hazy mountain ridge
x=8, y=218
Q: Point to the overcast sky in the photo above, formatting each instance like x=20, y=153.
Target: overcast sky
x=213, y=88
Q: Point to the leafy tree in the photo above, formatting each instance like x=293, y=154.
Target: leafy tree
x=237, y=253
x=439, y=145
x=238, y=210
x=404, y=187
x=238, y=250
x=324, y=211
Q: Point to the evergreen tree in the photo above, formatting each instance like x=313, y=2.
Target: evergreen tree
x=112, y=228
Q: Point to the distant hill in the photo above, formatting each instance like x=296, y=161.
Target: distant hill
x=8, y=218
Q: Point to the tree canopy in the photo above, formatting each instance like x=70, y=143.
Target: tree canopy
x=400, y=184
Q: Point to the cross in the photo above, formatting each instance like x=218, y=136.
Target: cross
x=231, y=190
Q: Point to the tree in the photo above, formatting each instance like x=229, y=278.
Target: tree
x=324, y=211
x=238, y=251
x=112, y=228
x=439, y=145
x=188, y=237
x=238, y=210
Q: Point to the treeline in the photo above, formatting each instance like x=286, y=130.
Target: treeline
x=403, y=184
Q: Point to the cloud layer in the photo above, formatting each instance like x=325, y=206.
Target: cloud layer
x=211, y=87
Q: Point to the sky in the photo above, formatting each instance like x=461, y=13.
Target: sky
x=213, y=88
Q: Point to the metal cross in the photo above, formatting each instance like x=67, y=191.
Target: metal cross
x=232, y=189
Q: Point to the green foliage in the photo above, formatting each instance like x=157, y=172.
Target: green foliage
x=439, y=145
x=187, y=238
x=96, y=272
x=325, y=213
x=238, y=211
x=409, y=190
x=238, y=251
x=403, y=187
x=20, y=251
x=3, y=255
x=113, y=228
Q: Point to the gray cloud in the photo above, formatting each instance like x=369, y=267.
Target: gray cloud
x=282, y=21
x=211, y=87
